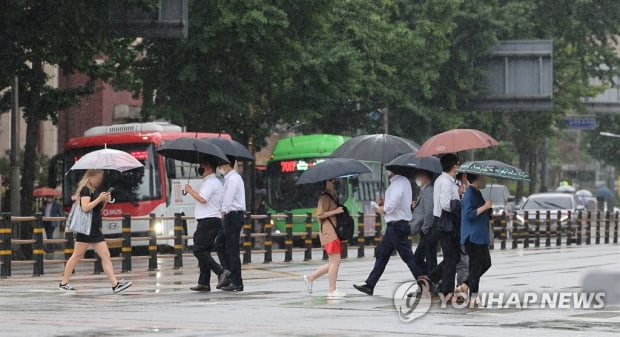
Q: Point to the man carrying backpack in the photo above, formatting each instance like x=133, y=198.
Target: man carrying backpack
x=397, y=212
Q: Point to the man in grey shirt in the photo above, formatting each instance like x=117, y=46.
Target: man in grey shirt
x=426, y=253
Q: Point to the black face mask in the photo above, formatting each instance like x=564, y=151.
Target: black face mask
x=200, y=171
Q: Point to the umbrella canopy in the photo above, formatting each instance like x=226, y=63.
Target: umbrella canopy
x=107, y=159
x=231, y=148
x=495, y=169
x=378, y=148
x=332, y=168
x=410, y=161
x=43, y=192
x=454, y=141
x=191, y=150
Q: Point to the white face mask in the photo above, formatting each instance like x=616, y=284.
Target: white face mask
x=220, y=172
x=418, y=182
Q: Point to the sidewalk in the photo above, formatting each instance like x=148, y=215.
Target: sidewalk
x=274, y=303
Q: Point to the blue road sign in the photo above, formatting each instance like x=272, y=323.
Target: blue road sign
x=581, y=123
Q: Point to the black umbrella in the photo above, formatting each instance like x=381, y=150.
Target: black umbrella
x=410, y=161
x=332, y=168
x=378, y=148
x=191, y=150
x=231, y=148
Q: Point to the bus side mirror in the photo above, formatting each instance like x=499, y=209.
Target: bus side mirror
x=171, y=169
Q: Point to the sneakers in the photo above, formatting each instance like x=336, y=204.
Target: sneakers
x=366, y=289
x=308, y=284
x=66, y=287
x=120, y=286
x=223, y=279
x=335, y=294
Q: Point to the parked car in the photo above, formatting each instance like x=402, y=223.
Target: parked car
x=565, y=203
x=503, y=204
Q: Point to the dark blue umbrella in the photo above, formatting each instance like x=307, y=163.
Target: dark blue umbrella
x=410, y=161
x=332, y=168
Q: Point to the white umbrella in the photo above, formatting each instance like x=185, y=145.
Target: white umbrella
x=107, y=159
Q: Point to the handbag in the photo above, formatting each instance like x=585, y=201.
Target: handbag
x=79, y=221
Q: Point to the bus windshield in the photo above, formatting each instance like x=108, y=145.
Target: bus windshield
x=283, y=194
x=131, y=186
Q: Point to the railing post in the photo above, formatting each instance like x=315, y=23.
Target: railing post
x=6, y=252
x=515, y=232
x=361, y=237
x=598, y=228
x=247, y=238
x=616, y=227
x=548, y=229
x=69, y=243
x=97, y=267
x=579, y=227
x=178, y=240
x=288, y=242
x=589, y=228
x=308, y=239
x=503, y=230
x=126, y=250
x=377, y=237
x=526, y=229
x=37, y=247
x=607, y=221
x=558, y=229
x=152, y=242
x=268, y=240
x=569, y=228
x=537, y=230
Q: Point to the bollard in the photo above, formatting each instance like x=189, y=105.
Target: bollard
x=589, y=228
x=126, y=250
x=537, y=230
x=268, y=240
x=377, y=238
x=607, y=221
x=98, y=267
x=579, y=225
x=308, y=238
x=515, y=233
x=37, y=247
x=178, y=240
x=152, y=242
x=6, y=251
x=526, y=230
x=361, y=237
x=504, y=230
x=288, y=242
x=69, y=238
x=597, y=238
x=616, y=227
x=548, y=230
x=558, y=230
x=247, y=239
x=569, y=229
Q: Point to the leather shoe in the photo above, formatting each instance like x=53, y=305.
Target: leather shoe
x=366, y=289
x=232, y=287
x=201, y=288
x=223, y=279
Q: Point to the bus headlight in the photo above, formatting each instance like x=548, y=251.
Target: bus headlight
x=159, y=228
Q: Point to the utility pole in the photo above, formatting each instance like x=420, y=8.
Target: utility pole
x=386, y=118
x=14, y=172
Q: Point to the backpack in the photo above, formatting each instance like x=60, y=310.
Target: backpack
x=345, y=225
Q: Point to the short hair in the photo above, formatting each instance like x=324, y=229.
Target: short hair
x=429, y=174
x=211, y=163
x=472, y=177
x=448, y=161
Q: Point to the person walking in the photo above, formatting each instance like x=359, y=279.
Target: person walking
x=475, y=235
x=397, y=211
x=233, y=209
x=51, y=210
x=425, y=254
x=326, y=212
x=207, y=212
x=446, y=210
x=91, y=199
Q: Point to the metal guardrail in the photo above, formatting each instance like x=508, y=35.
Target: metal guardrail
x=584, y=228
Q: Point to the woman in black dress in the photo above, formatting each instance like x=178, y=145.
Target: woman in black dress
x=92, y=200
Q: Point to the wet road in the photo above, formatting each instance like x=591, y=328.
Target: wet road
x=275, y=304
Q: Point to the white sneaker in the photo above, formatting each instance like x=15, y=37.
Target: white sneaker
x=308, y=284
x=336, y=294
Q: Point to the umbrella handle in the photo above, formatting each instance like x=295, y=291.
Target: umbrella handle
x=112, y=201
x=183, y=192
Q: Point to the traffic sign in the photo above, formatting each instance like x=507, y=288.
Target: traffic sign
x=581, y=122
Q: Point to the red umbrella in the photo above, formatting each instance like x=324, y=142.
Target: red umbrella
x=45, y=192
x=455, y=140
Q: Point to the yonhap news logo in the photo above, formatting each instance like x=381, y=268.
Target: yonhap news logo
x=411, y=301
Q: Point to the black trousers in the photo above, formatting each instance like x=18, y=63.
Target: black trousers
x=425, y=254
x=227, y=246
x=395, y=238
x=479, y=263
x=204, y=240
x=446, y=270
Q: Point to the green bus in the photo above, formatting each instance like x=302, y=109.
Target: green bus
x=290, y=158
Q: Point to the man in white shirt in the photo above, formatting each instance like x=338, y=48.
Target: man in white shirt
x=447, y=213
x=233, y=209
x=207, y=212
x=397, y=211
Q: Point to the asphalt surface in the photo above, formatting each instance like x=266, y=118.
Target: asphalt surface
x=274, y=302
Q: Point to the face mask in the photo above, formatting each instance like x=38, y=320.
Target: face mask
x=201, y=171
x=418, y=182
x=220, y=172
